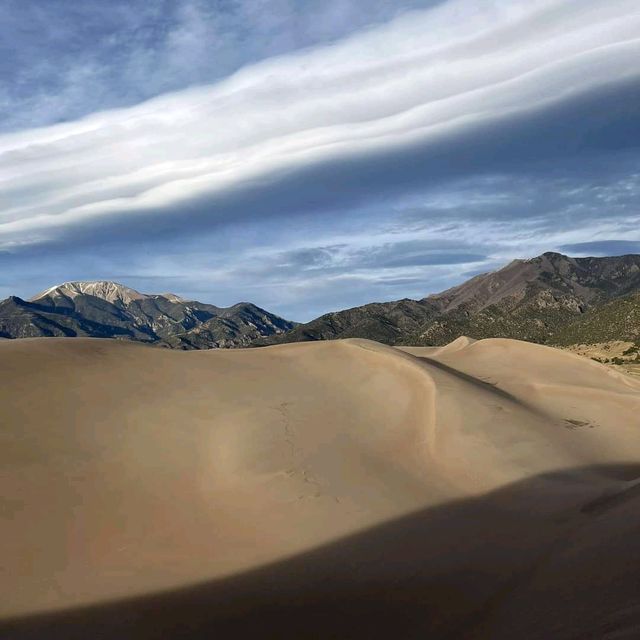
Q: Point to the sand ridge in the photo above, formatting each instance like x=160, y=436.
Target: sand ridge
x=129, y=470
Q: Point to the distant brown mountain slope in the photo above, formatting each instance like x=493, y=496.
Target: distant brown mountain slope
x=532, y=300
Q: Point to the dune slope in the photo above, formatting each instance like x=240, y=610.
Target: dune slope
x=333, y=489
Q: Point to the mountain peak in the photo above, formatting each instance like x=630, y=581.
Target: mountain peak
x=553, y=255
x=104, y=289
x=106, y=309
x=172, y=297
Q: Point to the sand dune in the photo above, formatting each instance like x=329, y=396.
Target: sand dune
x=337, y=489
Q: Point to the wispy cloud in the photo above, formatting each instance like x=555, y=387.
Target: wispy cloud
x=62, y=60
x=439, y=77
x=603, y=247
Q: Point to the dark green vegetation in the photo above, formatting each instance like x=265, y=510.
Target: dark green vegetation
x=551, y=299
x=619, y=317
x=109, y=310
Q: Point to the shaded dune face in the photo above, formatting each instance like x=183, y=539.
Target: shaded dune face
x=337, y=489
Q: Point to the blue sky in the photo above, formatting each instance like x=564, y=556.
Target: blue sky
x=310, y=156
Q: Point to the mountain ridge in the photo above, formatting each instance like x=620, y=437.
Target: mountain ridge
x=549, y=299
x=533, y=299
x=106, y=309
x=104, y=289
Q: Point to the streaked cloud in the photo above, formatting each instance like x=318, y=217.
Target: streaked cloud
x=438, y=78
x=62, y=60
x=387, y=164
x=603, y=247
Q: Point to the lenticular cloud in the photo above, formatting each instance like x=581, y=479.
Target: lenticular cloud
x=425, y=76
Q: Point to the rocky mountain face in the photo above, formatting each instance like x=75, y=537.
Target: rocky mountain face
x=387, y=322
x=237, y=326
x=110, y=310
x=536, y=300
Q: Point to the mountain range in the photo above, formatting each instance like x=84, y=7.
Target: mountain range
x=110, y=310
x=551, y=299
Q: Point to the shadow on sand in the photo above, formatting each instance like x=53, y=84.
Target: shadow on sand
x=461, y=570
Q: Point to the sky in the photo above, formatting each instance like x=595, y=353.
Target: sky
x=312, y=155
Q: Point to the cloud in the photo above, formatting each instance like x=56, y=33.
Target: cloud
x=414, y=253
x=440, y=79
x=603, y=247
x=369, y=254
x=62, y=60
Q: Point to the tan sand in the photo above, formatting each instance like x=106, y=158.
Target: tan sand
x=337, y=489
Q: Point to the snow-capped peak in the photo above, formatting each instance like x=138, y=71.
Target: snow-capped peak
x=109, y=291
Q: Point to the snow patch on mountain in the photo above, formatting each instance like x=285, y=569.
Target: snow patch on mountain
x=104, y=289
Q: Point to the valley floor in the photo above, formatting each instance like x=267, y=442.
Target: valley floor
x=341, y=489
x=622, y=356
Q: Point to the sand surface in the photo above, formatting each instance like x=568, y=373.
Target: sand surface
x=319, y=490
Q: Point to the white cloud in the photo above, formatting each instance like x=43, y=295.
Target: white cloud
x=425, y=76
